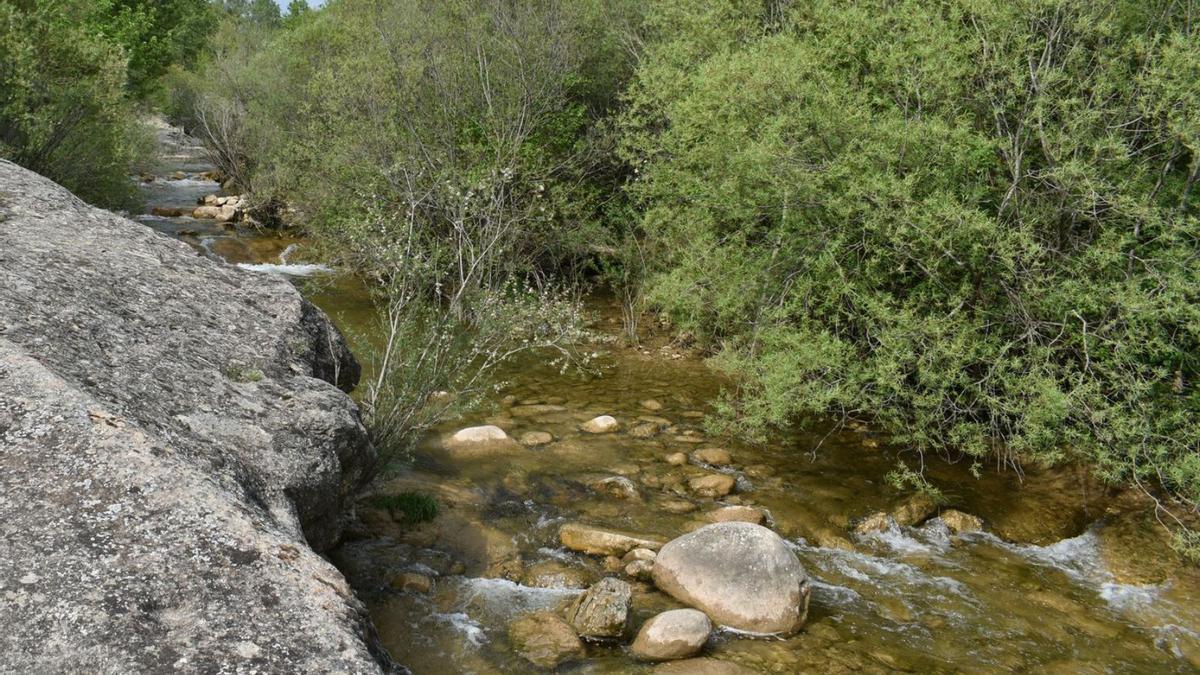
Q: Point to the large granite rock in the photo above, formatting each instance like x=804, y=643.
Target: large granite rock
x=171, y=452
x=741, y=575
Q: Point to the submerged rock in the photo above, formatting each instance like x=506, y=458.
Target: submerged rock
x=603, y=611
x=675, y=634
x=713, y=456
x=678, y=506
x=599, y=541
x=412, y=582
x=535, y=438
x=616, y=487
x=742, y=575
x=876, y=522
x=745, y=514
x=915, y=510
x=959, y=522
x=713, y=485
x=644, y=430
x=173, y=445
x=535, y=409
x=545, y=640
x=702, y=666
x=604, y=424
x=1136, y=548
x=555, y=574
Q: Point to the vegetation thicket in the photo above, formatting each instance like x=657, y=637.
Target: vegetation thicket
x=73, y=74
x=453, y=153
x=972, y=223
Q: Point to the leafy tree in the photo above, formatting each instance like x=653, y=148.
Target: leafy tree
x=298, y=9
x=63, y=110
x=154, y=35
x=261, y=12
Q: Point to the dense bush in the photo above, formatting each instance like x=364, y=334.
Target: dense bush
x=474, y=121
x=972, y=222
x=450, y=152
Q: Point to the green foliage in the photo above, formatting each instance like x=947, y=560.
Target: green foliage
x=71, y=73
x=410, y=508
x=1187, y=544
x=476, y=120
x=154, y=35
x=450, y=152
x=242, y=373
x=432, y=366
x=971, y=221
x=263, y=13
x=63, y=111
x=905, y=479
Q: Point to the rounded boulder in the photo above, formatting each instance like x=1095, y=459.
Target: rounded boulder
x=741, y=575
x=675, y=634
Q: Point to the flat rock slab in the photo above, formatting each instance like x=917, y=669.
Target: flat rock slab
x=173, y=449
x=599, y=541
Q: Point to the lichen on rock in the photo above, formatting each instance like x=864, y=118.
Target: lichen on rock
x=157, y=513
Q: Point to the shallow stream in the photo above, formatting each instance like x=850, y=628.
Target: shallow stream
x=1067, y=576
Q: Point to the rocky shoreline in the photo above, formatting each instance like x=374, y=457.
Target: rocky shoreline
x=176, y=455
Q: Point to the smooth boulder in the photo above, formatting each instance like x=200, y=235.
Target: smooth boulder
x=742, y=575
x=479, y=441
x=713, y=485
x=674, y=634
x=604, y=424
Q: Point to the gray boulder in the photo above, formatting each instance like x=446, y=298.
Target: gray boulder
x=742, y=575
x=174, y=449
x=674, y=634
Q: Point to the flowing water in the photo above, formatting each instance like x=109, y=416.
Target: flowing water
x=1055, y=583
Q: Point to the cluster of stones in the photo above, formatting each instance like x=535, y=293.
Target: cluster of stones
x=730, y=570
x=228, y=209
x=731, y=573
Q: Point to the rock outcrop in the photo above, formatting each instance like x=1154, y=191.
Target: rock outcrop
x=172, y=450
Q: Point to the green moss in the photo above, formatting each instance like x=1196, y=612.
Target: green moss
x=239, y=373
x=407, y=507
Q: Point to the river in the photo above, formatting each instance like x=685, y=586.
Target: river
x=1067, y=575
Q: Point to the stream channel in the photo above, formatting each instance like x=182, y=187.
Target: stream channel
x=1066, y=576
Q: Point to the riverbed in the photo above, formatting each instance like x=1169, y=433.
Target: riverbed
x=1067, y=575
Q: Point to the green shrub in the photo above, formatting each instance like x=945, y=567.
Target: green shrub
x=408, y=507
x=72, y=74
x=973, y=222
